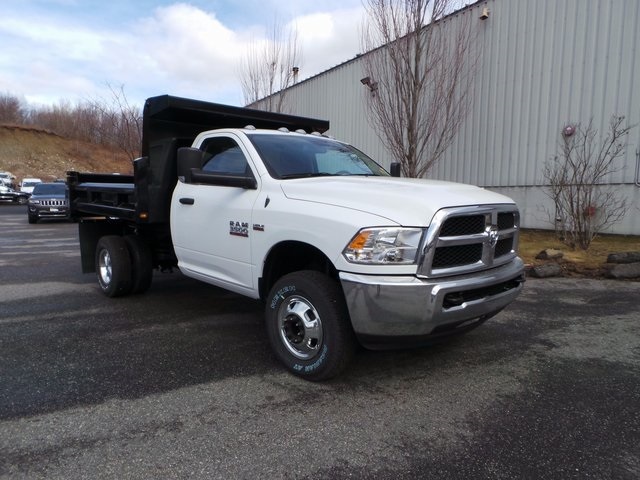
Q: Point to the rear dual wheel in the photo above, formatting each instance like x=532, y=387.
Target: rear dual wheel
x=141, y=264
x=123, y=265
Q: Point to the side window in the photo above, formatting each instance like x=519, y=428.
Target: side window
x=223, y=155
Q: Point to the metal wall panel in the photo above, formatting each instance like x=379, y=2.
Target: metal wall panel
x=542, y=64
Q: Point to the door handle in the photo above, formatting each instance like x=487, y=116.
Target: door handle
x=187, y=201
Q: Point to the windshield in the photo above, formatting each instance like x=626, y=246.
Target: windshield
x=289, y=156
x=50, y=189
x=29, y=184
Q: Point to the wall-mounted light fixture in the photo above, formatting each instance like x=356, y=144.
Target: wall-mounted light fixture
x=485, y=13
x=568, y=130
x=368, y=82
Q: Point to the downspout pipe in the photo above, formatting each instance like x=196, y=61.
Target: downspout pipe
x=637, y=167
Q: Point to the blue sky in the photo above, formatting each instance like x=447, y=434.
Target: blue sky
x=73, y=50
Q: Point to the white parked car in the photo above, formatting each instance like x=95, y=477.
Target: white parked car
x=7, y=179
x=27, y=184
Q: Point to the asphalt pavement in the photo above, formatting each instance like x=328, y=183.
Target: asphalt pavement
x=180, y=383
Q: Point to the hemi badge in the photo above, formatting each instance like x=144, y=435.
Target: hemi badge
x=258, y=228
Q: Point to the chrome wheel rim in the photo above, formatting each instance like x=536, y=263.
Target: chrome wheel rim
x=300, y=327
x=105, y=270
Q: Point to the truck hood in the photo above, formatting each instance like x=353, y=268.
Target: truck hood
x=405, y=201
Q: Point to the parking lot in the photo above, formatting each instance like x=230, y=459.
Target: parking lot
x=180, y=383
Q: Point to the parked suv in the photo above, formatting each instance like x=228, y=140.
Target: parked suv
x=48, y=200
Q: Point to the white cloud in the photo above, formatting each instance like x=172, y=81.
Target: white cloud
x=188, y=43
x=42, y=58
x=329, y=38
x=178, y=49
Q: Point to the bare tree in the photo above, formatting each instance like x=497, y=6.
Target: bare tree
x=120, y=122
x=60, y=118
x=270, y=67
x=113, y=123
x=584, y=205
x=418, y=69
x=10, y=109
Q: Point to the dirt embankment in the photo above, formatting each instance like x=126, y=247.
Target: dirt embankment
x=31, y=152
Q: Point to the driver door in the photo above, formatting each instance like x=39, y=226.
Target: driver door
x=210, y=223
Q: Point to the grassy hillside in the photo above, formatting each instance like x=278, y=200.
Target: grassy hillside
x=30, y=152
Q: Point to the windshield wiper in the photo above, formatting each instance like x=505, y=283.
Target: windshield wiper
x=306, y=175
x=325, y=174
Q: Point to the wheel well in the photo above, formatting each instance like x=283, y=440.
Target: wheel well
x=287, y=257
x=156, y=235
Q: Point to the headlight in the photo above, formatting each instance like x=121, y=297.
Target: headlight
x=34, y=202
x=384, y=245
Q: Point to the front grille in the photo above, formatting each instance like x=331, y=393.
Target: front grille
x=503, y=247
x=466, y=225
x=506, y=220
x=458, y=255
x=53, y=203
x=467, y=239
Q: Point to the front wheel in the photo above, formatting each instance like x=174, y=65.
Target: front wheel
x=308, y=325
x=113, y=266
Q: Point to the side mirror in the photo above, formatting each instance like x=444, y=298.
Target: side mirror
x=188, y=158
x=395, y=169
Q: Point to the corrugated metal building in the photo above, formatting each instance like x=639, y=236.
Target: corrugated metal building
x=543, y=64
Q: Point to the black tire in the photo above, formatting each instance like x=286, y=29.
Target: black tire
x=33, y=218
x=323, y=346
x=113, y=266
x=141, y=264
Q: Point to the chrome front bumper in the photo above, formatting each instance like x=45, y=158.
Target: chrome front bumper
x=396, y=307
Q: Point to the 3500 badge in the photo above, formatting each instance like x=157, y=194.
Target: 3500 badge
x=239, y=229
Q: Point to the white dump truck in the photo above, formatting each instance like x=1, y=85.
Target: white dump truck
x=339, y=250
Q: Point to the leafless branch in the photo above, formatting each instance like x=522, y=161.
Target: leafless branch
x=10, y=109
x=268, y=68
x=421, y=74
x=121, y=122
x=584, y=204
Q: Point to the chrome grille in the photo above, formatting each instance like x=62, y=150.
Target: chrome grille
x=464, y=225
x=503, y=247
x=457, y=255
x=53, y=203
x=506, y=220
x=468, y=239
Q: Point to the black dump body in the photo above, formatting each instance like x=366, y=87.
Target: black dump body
x=168, y=124
x=108, y=204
